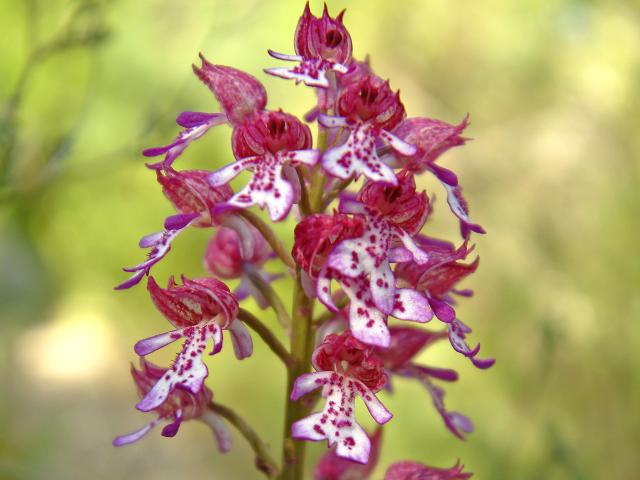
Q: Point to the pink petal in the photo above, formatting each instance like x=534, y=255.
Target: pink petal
x=346, y=259
x=419, y=255
x=219, y=429
x=411, y=305
x=308, y=382
x=459, y=207
x=134, y=436
x=240, y=339
x=400, y=146
x=400, y=255
x=266, y=188
x=331, y=121
x=312, y=78
x=377, y=410
x=229, y=172
x=323, y=290
x=336, y=423
x=366, y=322
x=188, y=370
x=151, y=344
x=284, y=56
x=306, y=157
x=357, y=156
x=383, y=286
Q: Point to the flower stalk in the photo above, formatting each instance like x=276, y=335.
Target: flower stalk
x=264, y=462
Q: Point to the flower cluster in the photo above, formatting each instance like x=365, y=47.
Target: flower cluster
x=358, y=250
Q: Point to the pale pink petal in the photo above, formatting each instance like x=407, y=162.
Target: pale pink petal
x=151, y=344
x=310, y=78
x=134, y=436
x=307, y=157
x=357, y=156
x=377, y=410
x=400, y=146
x=219, y=429
x=284, y=56
x=336, y=423
x=400, y=255
x=188, y=370
x=308, y=382
x=419, y=255
x=460, y=209
x=346, y=259
x=225, y=174
x=323, y=290
x=383, y=286
x=366, y=322
x=266, y=188
x=411, y=305
x=331, y=121
x=240, y=339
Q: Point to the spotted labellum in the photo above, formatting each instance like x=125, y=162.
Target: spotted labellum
x=334, y=224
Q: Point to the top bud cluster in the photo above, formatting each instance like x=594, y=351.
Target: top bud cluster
x=370, y=245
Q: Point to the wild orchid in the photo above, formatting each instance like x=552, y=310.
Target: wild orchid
x=364, y=237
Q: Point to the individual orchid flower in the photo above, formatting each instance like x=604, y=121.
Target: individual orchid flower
x=381, y=242
x=321, y=45
x=332, y=467
x=199, y=309
x=239, y=95
x=432, y=138
x=370, y=110
x=398, y=359
x=194, y=199
x=367, y=323
x=417, y=471
x=436, y=279
x=180, y=406
x=346, y=368
x=160, y=244
x=317, y=235
x=268, y=143
x=233, y=252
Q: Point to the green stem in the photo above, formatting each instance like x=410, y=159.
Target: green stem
x=305, y=206
x=267, y=336
x=269, y=236
x=334, y=191
x=264, y=462
x=293, y=451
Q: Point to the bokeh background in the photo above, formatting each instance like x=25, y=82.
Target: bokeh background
x=553, y=173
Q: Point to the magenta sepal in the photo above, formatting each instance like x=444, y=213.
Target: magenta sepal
x=336, y=422
x=417, y=471
x=160, y=244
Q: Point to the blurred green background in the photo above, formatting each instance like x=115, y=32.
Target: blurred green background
x=553, y=174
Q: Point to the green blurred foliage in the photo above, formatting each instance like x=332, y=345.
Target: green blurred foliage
x=553, y=173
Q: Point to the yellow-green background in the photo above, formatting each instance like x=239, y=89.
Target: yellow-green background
x=552, y=173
